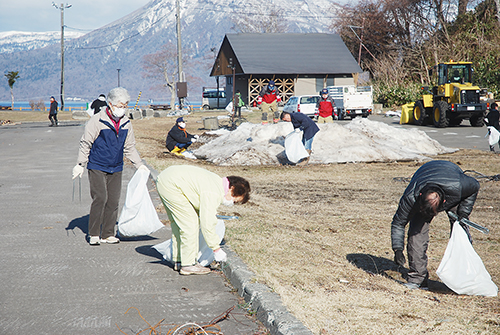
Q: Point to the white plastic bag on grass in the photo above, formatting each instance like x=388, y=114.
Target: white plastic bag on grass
x=461, y=268
x=294, y=148
x=138, y=216
x=205, y=254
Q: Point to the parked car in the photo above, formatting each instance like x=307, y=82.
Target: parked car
x=209, y=100
x=352, y=101
x=305, y=104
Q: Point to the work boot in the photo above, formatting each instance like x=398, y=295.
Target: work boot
x=176, y=151
x=492, y=148
x=196, y=269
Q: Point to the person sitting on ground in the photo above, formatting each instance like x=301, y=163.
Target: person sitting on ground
x=191, y=196
x=178, y=139
x=304, y=123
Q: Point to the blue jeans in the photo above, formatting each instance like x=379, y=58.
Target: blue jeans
x=308, y=143
x=183, y=145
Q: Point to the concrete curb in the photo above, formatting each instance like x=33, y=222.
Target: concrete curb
x=267, y=304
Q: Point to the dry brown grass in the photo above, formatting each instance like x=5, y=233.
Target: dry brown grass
x=29, y=116
x=320, y=237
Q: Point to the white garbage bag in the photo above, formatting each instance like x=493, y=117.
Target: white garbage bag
x=294, y=148
x=138, y=216
x=493, y=135
x=461, y=268
x=229, y=108
x=205, y=254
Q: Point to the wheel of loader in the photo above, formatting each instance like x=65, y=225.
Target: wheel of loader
x=439, y=117
x=419, y=113
x=477, y=120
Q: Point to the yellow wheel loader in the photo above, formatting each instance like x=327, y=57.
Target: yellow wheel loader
x=452, y=100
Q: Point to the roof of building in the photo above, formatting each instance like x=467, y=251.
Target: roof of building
x=308, y=53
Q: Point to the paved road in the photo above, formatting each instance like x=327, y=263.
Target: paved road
x=463, y=136
x=53, y=282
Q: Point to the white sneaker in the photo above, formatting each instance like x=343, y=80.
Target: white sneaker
x=194, y=270
x=94, y=240
x=189, y=154
x=110, y=240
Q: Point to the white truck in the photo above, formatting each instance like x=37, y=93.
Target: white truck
x=351, y=100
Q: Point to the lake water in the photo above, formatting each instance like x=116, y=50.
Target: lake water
x=83, y=105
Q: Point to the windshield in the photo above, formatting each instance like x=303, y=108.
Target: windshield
x=309, y=100
x=459, y=73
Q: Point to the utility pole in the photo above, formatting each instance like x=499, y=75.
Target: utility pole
x=232, y=67
x=62, y=49
x=179, y=49
x=118, y=77
x=361, y=43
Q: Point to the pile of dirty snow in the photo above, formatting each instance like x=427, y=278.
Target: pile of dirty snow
x=360, y=140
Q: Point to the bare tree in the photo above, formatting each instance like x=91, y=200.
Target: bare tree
x=161, y=67
x=497, y=5
x=261, y=22
x=12, y=76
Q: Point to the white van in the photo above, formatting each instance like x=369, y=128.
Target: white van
x=209, y=100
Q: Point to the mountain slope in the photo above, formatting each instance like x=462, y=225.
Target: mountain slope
x=91, y=61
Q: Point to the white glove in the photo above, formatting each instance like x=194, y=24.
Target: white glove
x=197, y=136
x=78, y=171
x=297, y=130
x=144, y=167
x=194, y=139
x=220, y=255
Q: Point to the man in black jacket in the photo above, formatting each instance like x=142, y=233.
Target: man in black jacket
x=178, y=139
x=493, y=120
x=436, y=186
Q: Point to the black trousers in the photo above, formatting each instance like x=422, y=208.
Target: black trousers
x=53, y=118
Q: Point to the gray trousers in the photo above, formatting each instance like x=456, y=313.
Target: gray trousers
x=418, y=241
x=105, y=189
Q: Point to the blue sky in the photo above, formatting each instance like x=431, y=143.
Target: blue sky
x=40, y=15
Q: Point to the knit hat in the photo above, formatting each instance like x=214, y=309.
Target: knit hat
x=180, y=119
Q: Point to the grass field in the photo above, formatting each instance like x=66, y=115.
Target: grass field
x=319, y=236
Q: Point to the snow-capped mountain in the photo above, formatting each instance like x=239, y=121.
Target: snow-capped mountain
x=92, y=60
x=13, y=41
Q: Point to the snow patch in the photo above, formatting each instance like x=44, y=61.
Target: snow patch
x=360, y=140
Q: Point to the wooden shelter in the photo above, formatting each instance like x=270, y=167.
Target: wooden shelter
x=298, y=63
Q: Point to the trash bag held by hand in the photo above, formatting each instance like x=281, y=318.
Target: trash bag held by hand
x=205, y=255
x=461, y=268
x=294, y=148
x=138, y=216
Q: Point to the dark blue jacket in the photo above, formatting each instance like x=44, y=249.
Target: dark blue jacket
x=305, y=124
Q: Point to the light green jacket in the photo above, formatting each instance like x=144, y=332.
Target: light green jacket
x=204, y=190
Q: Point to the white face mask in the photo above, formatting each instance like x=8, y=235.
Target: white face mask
x=182, y=124
x=226, y=202
x=118, y=112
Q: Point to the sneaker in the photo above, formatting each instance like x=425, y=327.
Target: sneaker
x=177, y=266
x=189, y=154
x=414, y=286
x=110, y=240
x=94, y=240
x=194, y=270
